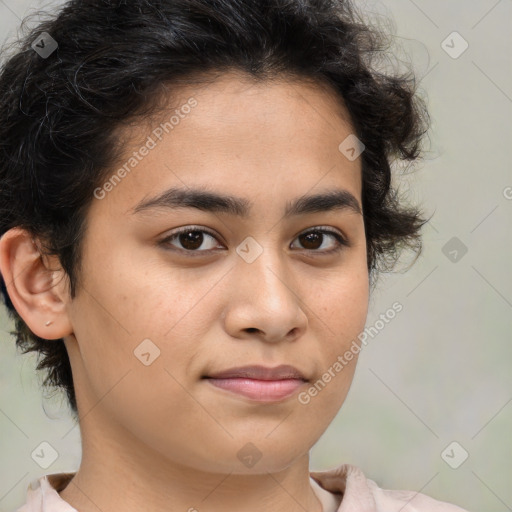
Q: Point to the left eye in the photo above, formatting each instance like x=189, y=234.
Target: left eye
x=191, y=239
x=313, y=236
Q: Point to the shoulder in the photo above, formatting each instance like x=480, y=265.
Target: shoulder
x=408, y=501
x=43, y=494
x=361, y=493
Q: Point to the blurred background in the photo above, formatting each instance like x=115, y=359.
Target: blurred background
x=430, y=408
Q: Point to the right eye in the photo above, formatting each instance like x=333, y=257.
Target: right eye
x=190, y=238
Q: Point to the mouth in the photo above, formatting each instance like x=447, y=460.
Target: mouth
x=259, y=383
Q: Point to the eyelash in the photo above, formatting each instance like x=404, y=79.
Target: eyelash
x=341, y=241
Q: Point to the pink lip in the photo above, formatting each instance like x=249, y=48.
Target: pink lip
x=259, y=383
x=260, y=390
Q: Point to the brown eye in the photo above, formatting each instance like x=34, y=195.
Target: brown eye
x=191, y=239
x=314, y=240
x=311, y=240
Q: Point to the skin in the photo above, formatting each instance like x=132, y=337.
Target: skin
x=172, y=435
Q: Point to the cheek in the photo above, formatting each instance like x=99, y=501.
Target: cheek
x=142, y=322
x=345, y=312
x=340, y=302
x=341, y=307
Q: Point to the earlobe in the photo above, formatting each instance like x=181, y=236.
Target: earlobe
x=34, y=289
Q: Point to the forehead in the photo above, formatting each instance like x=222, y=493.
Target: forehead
x=244, y=107
x=251, y=137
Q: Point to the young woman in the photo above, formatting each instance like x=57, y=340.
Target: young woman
x=195, y=200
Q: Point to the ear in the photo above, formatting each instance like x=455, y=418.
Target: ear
x=38, y=292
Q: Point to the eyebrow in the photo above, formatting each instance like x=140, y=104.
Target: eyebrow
x=206, y=200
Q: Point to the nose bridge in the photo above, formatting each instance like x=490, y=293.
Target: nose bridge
x=265, y=299
x=263, y=269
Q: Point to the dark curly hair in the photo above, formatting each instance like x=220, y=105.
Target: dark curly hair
x=59, y=113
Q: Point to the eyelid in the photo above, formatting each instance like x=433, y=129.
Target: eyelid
x=342, y=240
x=186, y=229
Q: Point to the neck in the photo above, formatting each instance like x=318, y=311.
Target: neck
x=118, y=472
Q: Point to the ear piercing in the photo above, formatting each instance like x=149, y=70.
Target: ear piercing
x=48, y=323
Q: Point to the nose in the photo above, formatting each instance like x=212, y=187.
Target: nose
x=266, y=300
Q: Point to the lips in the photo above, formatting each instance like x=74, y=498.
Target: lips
x=259, y=372
x=259, y=383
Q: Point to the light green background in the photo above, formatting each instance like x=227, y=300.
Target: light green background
x=441, y=370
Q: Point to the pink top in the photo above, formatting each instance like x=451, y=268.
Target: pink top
x=343, y=489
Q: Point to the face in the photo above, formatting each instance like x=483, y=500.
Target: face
x=160, y=311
